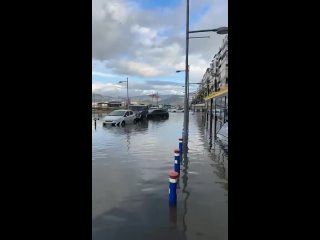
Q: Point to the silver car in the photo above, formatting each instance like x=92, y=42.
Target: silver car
x=119, y=117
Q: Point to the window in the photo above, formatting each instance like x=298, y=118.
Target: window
x=131, y=112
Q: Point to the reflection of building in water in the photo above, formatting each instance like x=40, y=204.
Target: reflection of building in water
x=220, y=167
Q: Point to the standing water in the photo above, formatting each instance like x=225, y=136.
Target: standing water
x=130, y=168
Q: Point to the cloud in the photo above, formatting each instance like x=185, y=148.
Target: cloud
x=136, y=69
x=137, y=88
x=135, y=41
x=101, y=74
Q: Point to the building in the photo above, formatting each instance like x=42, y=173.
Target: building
x=110, y=104
x=213, y=91
x=222, y=67
x=200, y=107
x=115, y=104
x=216, y=76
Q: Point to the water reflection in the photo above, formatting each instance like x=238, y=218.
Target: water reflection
x=185, y=191
x=173, y=216
x=218, y=152
x=130, y=182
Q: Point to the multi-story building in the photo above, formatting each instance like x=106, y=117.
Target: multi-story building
x=213, y=91
x=223, y=64
x=217, y=73
x=219, y=65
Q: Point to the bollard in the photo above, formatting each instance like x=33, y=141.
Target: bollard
x=177, y=161
x=180, y=148
x=173, y=188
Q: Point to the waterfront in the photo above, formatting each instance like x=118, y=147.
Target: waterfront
x=130, y=182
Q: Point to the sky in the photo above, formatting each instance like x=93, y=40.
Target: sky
x=144, y=41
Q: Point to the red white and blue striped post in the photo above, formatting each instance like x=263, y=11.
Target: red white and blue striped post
x=180, y=147
x=177, y=161
x=173, y=188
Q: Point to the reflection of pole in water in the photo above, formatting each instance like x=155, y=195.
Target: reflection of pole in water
x=185, y=183
x=210, y=142
x=128, y=140
x=173, y=216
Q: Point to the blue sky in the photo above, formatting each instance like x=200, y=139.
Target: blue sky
x=144, y=40
x=151, y=4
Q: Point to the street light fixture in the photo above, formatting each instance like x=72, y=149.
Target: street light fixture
x=220, y=30
x=200, y=37
x=127, y=90
x=194, y=83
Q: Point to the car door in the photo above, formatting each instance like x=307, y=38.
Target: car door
x=126, y=117
x=162, y=113
x=155, y=113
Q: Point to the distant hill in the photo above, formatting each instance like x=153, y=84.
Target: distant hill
x=171, y=99
x=174, y=100
x=101, y=98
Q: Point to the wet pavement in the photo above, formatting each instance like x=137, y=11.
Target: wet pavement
x=130, y=182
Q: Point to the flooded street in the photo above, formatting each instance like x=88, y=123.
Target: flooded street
x=130, y=182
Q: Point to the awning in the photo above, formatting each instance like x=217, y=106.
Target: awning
x=220, y=93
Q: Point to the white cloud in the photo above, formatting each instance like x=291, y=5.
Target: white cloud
x=137, y=69
x=148, y=43
x=101, y=74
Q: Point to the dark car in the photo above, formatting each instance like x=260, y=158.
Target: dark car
x=157, y=113
x=140, y=111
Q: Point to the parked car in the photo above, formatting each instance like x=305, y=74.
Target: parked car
x=119, y=117
x=157, y=113
x=140, y=111
x=172, y=109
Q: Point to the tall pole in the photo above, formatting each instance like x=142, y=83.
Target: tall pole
x=215, y=103
x=127, y=92
x=211, y=115
x=215, y=118
x=186, y=112
x=225, y=109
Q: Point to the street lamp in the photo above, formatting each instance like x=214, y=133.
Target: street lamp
x=127, y=91
x=221, y=30
x=186, y=91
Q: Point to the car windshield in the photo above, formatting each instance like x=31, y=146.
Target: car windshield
x=117, y=113
x=137, y=108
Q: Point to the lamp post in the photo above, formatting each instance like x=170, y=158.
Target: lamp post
x=186, y=109
x=221, y=30
x=127, y=90
x=189, y=92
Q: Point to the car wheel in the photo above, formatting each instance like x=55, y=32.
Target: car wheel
x=123, y=123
